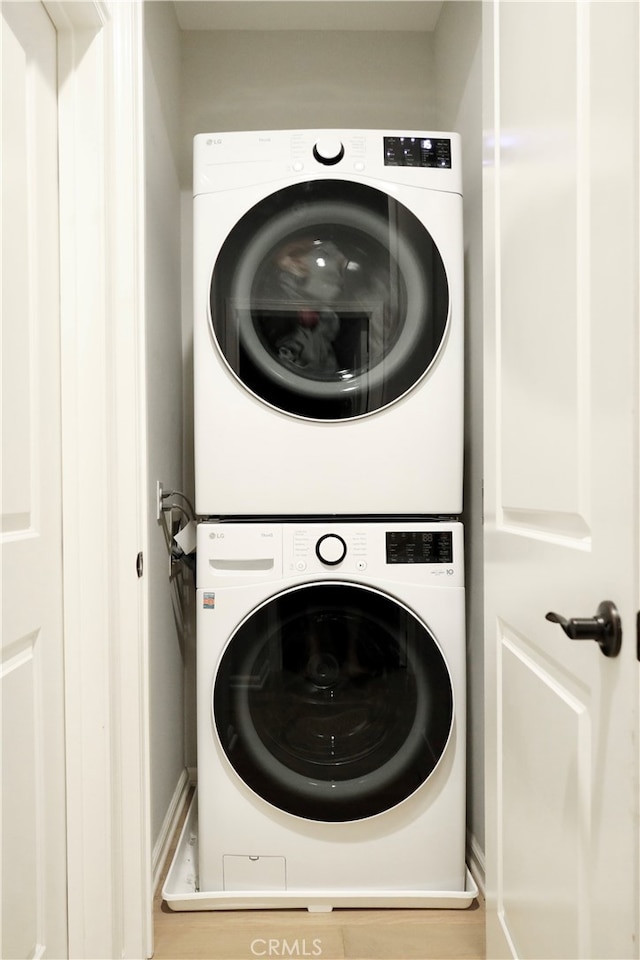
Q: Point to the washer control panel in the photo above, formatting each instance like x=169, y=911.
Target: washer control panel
x=421, y=552
x=324, y=548
x=419, y=546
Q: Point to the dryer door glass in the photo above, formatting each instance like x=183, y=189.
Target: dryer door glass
x=329, y=300
x=333, y=702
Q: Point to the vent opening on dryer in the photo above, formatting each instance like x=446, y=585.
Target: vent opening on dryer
x=329, y=300
x=333, y=702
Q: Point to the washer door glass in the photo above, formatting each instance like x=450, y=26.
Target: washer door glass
x=329, y=300
x=333, y=702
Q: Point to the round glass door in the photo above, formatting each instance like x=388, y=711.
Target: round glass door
x=333, y=702
x=329, y=300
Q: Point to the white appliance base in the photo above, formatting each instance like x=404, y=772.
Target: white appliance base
x=180, y=891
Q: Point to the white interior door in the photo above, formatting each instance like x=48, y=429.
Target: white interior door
x=34, y=906
x=561, y=275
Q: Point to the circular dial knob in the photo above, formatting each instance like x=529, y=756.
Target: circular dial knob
x=331, y=549
x=328, y=150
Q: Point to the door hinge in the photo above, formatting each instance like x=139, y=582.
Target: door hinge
x=139, y=564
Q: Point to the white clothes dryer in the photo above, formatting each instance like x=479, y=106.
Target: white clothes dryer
x=331, y=710
x=328, y=310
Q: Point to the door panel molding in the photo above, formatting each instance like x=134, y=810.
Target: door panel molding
x=543, y=163
x=34, y=907
x=570, y=529
x=561, y=468
x=542, y=778
x=102, y=321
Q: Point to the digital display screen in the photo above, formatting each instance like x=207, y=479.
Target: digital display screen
x=419, y=547
x=417, y=152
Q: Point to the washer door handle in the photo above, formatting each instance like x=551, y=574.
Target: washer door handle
x=605, y=627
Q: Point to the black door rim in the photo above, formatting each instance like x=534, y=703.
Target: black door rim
x=399, y=752
x=237, y=314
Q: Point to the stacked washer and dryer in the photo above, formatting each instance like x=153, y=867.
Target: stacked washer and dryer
x=328, y=352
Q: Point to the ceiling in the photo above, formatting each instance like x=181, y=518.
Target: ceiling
x=378, y=15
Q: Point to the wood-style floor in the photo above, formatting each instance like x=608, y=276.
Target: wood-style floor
x=356, y=934
x=352, y=934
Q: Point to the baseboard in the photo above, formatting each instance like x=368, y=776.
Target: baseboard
x=162, y=845
x=475, y=862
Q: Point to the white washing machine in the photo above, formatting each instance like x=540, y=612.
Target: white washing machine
x=331, y=711
x=328, y=341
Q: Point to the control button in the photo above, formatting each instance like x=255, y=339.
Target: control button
x=297, y=166
x=331, y=549
x=359, y=166
x=328, y=150
x=301, y=566
x=361, y=565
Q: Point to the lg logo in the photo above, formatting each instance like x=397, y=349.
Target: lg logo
x=286, y=948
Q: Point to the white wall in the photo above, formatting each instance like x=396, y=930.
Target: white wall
x=458, y=72
x=250, y=80
x=164, y=366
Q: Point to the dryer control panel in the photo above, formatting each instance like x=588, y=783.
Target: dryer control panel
x=417, y=152
x=223, y=161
